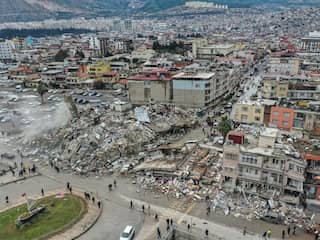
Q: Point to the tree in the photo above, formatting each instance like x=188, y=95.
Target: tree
x=98, y=84
x=224, y=127
x=42, y=90
x=61, y=55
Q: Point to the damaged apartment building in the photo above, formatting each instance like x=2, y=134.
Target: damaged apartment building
x=262, y=161
x=195, y=86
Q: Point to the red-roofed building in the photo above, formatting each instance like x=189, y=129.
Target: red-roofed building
x=110, y=77
x=154, y=85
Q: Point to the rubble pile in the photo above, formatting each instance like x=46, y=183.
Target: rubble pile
x=193, y=174
x=255, y=207
x=101, y=142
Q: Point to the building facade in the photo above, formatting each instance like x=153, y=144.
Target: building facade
x=284, y=65
x=261, y=164
x=194, y=89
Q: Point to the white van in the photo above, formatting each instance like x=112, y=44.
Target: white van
x=128, y=233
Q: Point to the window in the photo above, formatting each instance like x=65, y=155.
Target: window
x=286, y=114
x=291, y=166
x=274, y=122
x=197, y=85
x=256, y=172
x=245, y=109
x=275, y=113
x=257, y=118
x=258, y=110
x=244, y=117
x=285, y=123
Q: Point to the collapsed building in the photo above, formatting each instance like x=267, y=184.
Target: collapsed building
x=101, y=142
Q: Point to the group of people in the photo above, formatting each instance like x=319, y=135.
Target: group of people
x=24, y=170
x=285, y=233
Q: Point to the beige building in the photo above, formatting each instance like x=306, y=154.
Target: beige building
x=274, y=89
x=261, y=164
x=150, y=86
x=284, y=65
x=253, y=112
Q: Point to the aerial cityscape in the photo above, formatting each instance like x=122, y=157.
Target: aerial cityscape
x=159, y=119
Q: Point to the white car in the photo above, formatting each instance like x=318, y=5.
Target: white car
x=128, y=233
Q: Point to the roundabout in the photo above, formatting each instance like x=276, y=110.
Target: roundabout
x=60, y=216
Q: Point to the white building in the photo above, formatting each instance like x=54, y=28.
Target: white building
x=202, y=49
x=7, y=50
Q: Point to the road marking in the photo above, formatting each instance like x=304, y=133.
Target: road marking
x=186, y=212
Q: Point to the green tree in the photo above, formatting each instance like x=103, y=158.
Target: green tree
x=224, y=127
x=42, y=90
x=61, y=55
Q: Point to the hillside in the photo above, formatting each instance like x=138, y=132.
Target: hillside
x=29, y=10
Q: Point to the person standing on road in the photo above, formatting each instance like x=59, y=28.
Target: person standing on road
x=188, y=227
x=131, y=204
x=115, y=183
x=171, y=222
x=143, y=208
x=289, y=231
x=294, y=230
x=244, y=230
x=283, y=234
x=269, y=233
x=159, y=233
x=42, y=192
x=156, y=217
x=207, y=233
x=7, y=199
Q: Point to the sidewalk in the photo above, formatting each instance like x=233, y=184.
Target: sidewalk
x=8, y=178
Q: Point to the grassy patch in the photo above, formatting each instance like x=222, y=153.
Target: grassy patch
x=59, y=215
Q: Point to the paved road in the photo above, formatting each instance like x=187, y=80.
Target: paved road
x=116, y=215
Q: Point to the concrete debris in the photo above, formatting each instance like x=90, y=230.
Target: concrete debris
x=108, y=141
x=255, y=207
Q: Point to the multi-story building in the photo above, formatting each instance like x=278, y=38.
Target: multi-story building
x=307, y=120
x=194, y=89
x=253, y=112
x=96, y=70
x=284, y=65
x=312, y=183
x=150, y=86
x=311, y=43
x=273, y=88
x=202, y=49
x=261, y=163
x=6, y=50
x=303, y=92
x=281, y=117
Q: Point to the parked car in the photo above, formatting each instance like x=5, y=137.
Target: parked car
x=128, y=233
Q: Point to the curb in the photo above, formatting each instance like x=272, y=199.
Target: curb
x=52, y=193
x=20, y=179
x=91, y=225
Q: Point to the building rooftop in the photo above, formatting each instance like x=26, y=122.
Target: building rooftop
x=269, y=132
x=259, y=102
x=193, y=75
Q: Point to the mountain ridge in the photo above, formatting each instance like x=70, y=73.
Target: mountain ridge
x=30, y=10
